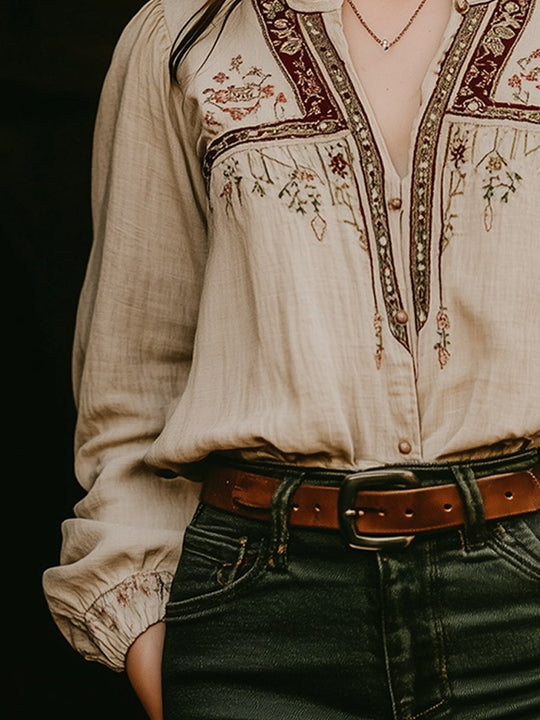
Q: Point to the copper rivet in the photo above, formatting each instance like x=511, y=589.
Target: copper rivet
x=395, y=203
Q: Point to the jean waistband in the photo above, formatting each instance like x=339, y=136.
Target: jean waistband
x=427, y=473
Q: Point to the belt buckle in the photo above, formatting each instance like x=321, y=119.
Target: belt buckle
x=347, y=512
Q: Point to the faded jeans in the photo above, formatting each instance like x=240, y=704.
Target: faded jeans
x=446, y=628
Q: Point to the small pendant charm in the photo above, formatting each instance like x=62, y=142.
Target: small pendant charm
x=385, y=45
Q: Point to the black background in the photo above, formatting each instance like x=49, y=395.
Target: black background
x=54, y=58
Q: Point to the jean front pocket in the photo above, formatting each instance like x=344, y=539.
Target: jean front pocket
x=216, y=564
x=517, y=541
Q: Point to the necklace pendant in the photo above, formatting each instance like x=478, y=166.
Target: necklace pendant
x=385, y=45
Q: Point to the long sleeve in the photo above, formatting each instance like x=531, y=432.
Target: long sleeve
x=132, y=353
x=340, y=320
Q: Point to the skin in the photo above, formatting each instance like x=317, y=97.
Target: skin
x=143, y=668
x=391, y=81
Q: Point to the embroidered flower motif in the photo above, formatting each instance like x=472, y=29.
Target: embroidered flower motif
x=272, y=8
x=241, y=96
x=528, y=79
x=232, y=186
x=377, y=324
x=494, y=163
x=336, y=161
x=210, y=121
x=457, y=157
x=443, y=327
x=500, y=183
x=504, y=29
x=339, y=165
x=458, y=149
x=285, y=31
x=221, y=77
x=236, y=62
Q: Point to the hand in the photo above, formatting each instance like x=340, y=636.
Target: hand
x=143, y=668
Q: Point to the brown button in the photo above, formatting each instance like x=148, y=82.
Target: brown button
x=395, y=203
x=402, y=316
x=404, y=447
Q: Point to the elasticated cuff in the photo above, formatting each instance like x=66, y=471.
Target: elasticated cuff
x=117, y=618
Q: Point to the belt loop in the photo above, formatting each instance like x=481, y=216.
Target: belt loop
x=281, y=507
x=473, y=506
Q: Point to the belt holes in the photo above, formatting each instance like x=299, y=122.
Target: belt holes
x=381, y=513
x=447, y=507
x=509, y=495
x=317, y=507
x=409, y=512
x=295, y=507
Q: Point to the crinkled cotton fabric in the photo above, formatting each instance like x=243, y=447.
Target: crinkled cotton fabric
x=263, y=282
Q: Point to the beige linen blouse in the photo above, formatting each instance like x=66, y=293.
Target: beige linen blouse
x=263, y=281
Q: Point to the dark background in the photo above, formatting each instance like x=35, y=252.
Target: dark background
x=54, y=58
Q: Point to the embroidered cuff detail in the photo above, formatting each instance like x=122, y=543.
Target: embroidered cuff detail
x=120, y=615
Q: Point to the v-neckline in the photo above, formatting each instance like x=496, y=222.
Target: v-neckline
x=427, y=86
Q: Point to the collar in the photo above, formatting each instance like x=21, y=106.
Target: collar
x=315, y=6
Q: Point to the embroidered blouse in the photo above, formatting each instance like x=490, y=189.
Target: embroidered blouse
x=262, y=281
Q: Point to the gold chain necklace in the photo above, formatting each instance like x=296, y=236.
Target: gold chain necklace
x=386, y=44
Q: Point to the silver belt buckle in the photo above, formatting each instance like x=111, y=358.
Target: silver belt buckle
x=348, y=512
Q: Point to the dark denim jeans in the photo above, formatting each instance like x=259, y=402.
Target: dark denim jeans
x=446, y=628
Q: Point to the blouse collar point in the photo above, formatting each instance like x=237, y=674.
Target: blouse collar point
x=314, y=6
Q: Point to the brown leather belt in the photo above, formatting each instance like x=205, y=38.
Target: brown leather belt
x=372, y=512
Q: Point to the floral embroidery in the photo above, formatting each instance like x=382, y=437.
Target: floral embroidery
x=232, y=186
x=272, y=8
x=529, y=74
x=281, y=25
x=305, y=189
x=476, y=94
x=457, y=156
x=211, y=122
x=242, y=95
x=339, y=165
x=500, y=182
x=336, y=163
x=377, y=324
x=320, y=113
x=236, y=62
x=300, y=190
x=503, y=28
x=443, y=326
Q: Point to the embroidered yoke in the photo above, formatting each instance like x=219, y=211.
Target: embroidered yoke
x=262, y=281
